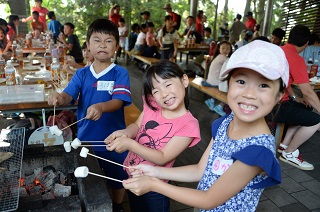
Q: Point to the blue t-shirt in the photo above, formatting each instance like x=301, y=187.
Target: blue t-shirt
x=255, y=151
x=92, y=88
x=54, y=26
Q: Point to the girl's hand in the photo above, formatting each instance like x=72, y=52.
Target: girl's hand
x=139, y=185
x=71, y=62
x=143, y=169
x=120, y=145
x=115, y=135
x=94, y=112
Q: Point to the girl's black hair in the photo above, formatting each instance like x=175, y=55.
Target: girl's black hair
x=13, y=18
x=165, y=69
x=217, y=50
x=3, y=43
x=164, y=30
x=103, y=26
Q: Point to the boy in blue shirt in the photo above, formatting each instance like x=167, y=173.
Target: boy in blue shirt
x=102, y=90
x=54, y=26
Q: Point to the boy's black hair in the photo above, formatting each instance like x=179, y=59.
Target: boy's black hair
x=36, y=13
x=103, y=26
x=70, y=25
x=190, y=16
x=143, y=26
x=51, y=14
x=135, y=26
x=263, y=38
x=13, y=18
x=299, y=35
x=165, y=69
x=314, y=37
x=150, y=24
x=208, y=29
x=122, y=20
x=279, y=33
x=38, y=0
x=84, y=45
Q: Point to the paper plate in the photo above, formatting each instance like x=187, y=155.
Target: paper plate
x=15, y=64
x=2, y=80
x=315, y=79
x=42, y=135
x=31, y=68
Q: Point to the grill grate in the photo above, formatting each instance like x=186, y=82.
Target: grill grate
x=9, y=179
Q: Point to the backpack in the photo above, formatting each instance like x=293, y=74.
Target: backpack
x=178, y=22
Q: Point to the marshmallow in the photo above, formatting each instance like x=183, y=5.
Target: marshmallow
x=84, y=152
x=55, y=130
x=76, y=143
x=67, y=146
x=81, y=171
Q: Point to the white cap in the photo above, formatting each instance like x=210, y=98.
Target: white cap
x=263, y=57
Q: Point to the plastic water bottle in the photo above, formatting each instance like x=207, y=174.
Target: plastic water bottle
x=10, y=72
x=314, y=69
x=48, y=59
x=55, y=68
x=2, y=65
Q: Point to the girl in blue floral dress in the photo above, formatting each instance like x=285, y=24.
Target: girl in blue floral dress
x=240, y=160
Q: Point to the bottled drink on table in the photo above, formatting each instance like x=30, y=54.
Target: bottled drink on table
x=55, y=68
x=189, y=41
x=62, y=53
x=19, y=55
x=29, y=40
x=2, y=65
x=48, y=59
x=193, y=41
x=314, y=69
x=48, y=40
x=10, y=72
x=14, y=49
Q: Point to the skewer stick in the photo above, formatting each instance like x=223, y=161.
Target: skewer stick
x=72, y=123
x=93, y=145
x=109, y=178
x=107, y=160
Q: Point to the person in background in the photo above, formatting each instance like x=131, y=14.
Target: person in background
x=191, y=30
x=135, y=29
x=199, y=22
x=207, y=41
x=72, y=45
x=71, y=63
x=36, y=24
x=224, y=32
x=222, y=52
x=4, y=45
x=236, y=28
x=114, y=14
x=42, y=13
x=4, y=25
x=102, y=90
x=54, y=26
x=146, y=17
x=151, y=49
x=256, y=33
x=240, y=160
x=14, y=21
x=174, y=15
x=164, y=129
x=168, y=39
x=312, y=50
x=123, y=33
x=297, y=113
x=251, y=22
x=246, y=39
x=277, y=36
x=141, y=42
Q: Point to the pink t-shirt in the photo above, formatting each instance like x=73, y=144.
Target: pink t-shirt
x=42, y=15
x=215, y=68
x=151, y=39
x=156, y=131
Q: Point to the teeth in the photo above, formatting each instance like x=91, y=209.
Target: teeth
x=170, y=101
x=247, y=107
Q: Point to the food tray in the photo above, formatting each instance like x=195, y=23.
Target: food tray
x=21, y=93
x=9, y=180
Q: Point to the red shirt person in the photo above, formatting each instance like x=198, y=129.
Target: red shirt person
x=174, y=16
x=114, y=15
x=42, y=13
x=251, y=22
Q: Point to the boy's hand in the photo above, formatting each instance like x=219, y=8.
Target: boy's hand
x=120, y=145
x=55, y=99
x=143, y=169
x=94, y=112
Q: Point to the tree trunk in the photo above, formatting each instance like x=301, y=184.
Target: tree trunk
x=215, y=21
x=18, y=7
x=225, y=9
x=261, y=12
x=247, y=9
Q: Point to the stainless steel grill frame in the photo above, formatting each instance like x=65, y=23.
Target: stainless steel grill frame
x=9, y=180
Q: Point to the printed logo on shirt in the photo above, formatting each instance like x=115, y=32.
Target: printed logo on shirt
x=105, y=86
x=221, y=165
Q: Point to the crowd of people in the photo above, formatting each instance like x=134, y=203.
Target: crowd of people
x=257, y=71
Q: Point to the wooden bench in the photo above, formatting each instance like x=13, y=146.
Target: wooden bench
x=148, y=60
x=131, y=114
x=222, y=96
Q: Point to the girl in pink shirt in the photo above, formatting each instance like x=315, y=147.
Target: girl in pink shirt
x=164, y=129
x=151, y=48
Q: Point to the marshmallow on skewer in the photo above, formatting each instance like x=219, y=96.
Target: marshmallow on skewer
x=55, y=130
x=67, y=146
x=81, y=171
x=84, y=152
x=76, y=143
